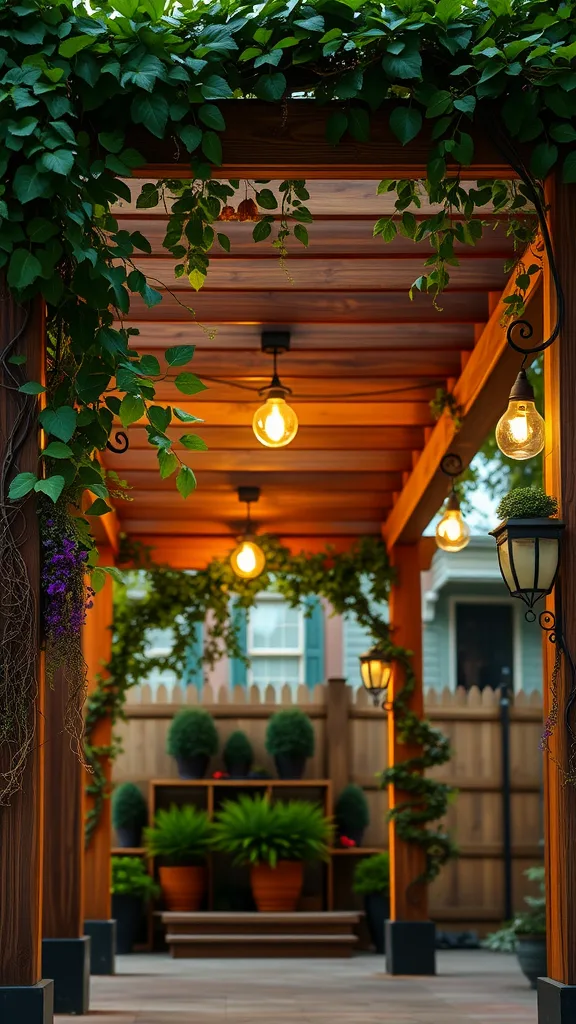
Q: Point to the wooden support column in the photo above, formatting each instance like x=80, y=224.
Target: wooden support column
x=555, y=1003
x=97, y=644
x=21, y=822
x=410, y=936
x=337, y=733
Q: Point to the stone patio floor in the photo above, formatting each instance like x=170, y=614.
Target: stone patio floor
x=471, y=986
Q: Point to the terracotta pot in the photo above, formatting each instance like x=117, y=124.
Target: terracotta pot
x=183, y=887
x=278, y=889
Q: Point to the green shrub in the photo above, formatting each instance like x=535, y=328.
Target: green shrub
x=130, y=878
x=290, y=732
x=192, y=732
x=372, y=874
x=179, y=836
x=527, y=503
x=129, y=808
x=256, y=831
x=238, y=749
x=351, y=810
x=527, y=922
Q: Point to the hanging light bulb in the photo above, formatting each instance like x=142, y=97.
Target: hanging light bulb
x=520, y=432
x=248, y=560
x=452, y=532
x=275, y=423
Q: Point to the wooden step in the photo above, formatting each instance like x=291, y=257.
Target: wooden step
x=281, y=946
x=225, y=934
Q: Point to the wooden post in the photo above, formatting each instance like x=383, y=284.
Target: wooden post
x=21, y=822
x=556, y=1003
x=97, y=644
x=410, y=936
x=338, y=735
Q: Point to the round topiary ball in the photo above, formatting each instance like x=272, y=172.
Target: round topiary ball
x=351, y=811
x=129, y=808
x=527, y=503
x=290, y=732
x=238, y=751
x=192, y=732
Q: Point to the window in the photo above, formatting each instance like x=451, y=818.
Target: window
x=484, y=644
x=275, y=643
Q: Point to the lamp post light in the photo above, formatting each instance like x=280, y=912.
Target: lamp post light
x=376, y=671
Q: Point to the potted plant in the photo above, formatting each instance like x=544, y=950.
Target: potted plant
x=372, y=881
x=526, y=934
x=352, y=815
x=274, y=839
x=129, y=814
x=132, y=887
x=180, y=839
x=238, y=755
x=290, y=740
x=528, y=543
x=192, y=740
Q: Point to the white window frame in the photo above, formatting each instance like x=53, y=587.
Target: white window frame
x=277, y=652
x=517, y=608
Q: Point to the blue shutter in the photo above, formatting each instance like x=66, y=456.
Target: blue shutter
x=239, y=672
x=193, y=674
x=314, y=642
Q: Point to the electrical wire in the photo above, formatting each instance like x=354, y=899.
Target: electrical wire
x=336, y=398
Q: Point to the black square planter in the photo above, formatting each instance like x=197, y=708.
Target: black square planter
x=67, y=962
x=27, y=1004
x=556, y=1002
x=102, y=946
x=410, y=947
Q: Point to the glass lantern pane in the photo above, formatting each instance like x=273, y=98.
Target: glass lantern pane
x=548, y=554
x=524, y=559
x=505, y=568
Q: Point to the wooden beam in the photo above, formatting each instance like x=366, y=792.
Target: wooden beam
x=186, y=552
x=364, y=523
x=267, y=460
x=272, y=140
x=482, y=392
x=361, y=415
x=224, y=482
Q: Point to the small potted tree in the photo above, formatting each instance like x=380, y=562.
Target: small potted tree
x=290, y=741
x=129, y=814
x=192, y=741
x=372, y=881
x=180, y=838
x=274, y=840
x=526, y=934
x=238, y=755
x=132, y=888
x=352, y=815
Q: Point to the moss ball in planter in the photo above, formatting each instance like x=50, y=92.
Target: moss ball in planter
x=129, y=814
x=290, y=740
x=527, y=503
x=238, y=755
x=352, y=814
x=192, y=741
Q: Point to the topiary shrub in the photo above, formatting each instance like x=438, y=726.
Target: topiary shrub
x=129, y=814
x=352, y=813
x=372, y=874
x=290, y=732
x=527, y=503
x=238, y=753
x=130, y=878
x=192, y=740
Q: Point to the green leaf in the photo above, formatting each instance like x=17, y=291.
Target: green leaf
x=196, y=278
x=563, y=132
x=440, y=103
x=159, y=417
x=193, y=443
x=211, y=116
x=405, y=122
x=543, y=158
x=98, y=508
x=212, y=147
x=406, y=65
x=152, y=111
x=270, y=87
x=24, y=268
x=261, y=230
x=52, y=486
x=97, y=580
x=149, y=366
x=28, y=184
x=336, y=126
x=61, y=161
x=32, y=388
x=223, y=242
x=186, y=481
x=71, y=46
x=59, y=422
x=57, y=450
x=112, y=141
x=359, y=124
x=40, y=230
x=301, y=234
x=466, y=104
x=186, y=417
x=569, y=168
x=22, y=485
x=179, y=355
x=266, y=199
x=189, y=384
x=168, y=462
x=132, y=408
x=17, y=360
x=191, y=136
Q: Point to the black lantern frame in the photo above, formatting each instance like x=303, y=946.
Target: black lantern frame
x=514, y=534
x=372, y=685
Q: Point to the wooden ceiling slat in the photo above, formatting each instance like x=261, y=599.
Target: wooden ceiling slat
x=332, y=524
x=306, y=389
x=340, y=438
x=227, y=482
x=265, y=460
x=310, y=414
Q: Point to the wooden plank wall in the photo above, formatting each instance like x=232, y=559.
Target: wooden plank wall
x=469, y=891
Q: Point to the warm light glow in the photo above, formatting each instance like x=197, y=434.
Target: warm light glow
x=452, y=533
x=375, y=670
x=275, y=423
x=247, y=560
x=520, y=431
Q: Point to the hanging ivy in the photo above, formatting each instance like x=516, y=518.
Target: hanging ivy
x=356, y=583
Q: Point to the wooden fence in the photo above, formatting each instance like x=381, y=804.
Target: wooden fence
x=351, y=744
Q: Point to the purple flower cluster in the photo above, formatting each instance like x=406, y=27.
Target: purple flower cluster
x=66, y=597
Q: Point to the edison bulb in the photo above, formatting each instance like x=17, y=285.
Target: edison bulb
x=275, y=423
x=247, y=560
x=520, y=431
x=452, y=533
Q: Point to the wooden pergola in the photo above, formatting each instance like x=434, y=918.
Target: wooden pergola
x=364, y=363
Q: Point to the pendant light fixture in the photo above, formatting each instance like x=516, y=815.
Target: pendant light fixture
x=452, y=532
x=275, y=423
x=520, y=431
x=248, y=560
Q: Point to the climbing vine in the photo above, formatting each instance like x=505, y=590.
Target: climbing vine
x=356, y=582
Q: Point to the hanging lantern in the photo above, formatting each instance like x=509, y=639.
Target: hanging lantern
x=376, y=671
x=275, y=423
x=452, y=532
x=529, y=556
x=520, y=432
x=248, y=560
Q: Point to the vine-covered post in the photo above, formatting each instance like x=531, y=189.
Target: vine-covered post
x=410, y=936
x=557, y=993
x=97, y=646
x=24, y=997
